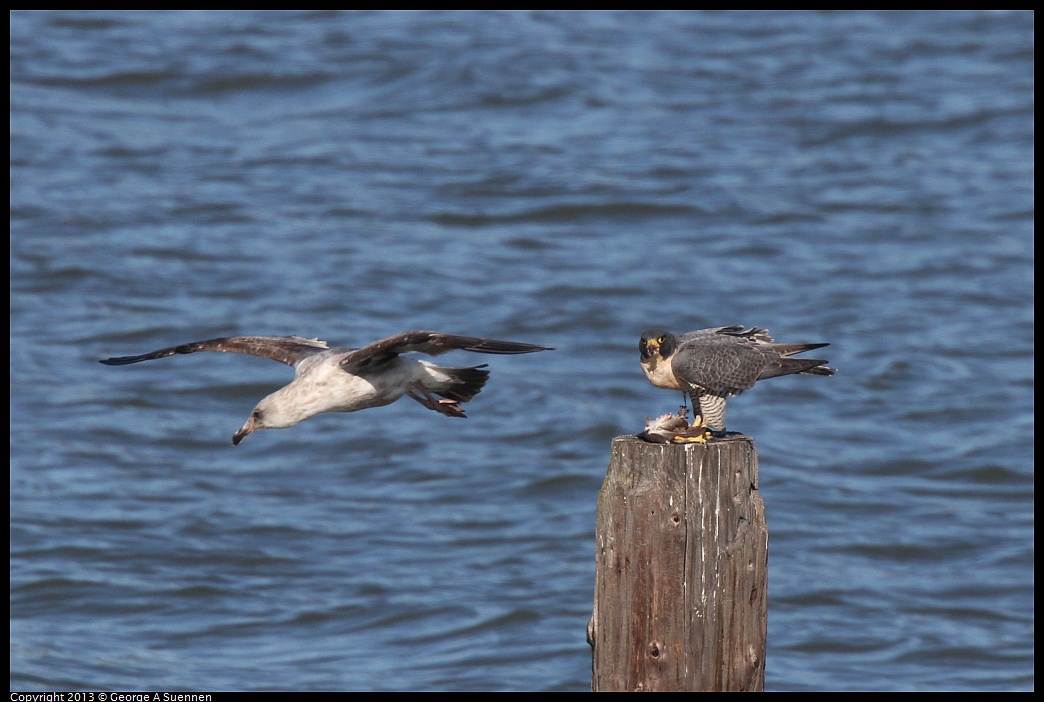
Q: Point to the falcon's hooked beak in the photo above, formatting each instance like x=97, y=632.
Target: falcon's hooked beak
x=246, y=430
x=650, y=347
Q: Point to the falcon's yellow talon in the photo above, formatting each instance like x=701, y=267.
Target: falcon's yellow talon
x=702, y=439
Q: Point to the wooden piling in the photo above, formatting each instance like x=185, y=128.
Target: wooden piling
x=681, y=568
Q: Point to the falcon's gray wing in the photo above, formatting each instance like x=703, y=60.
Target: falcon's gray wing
x=720, y=362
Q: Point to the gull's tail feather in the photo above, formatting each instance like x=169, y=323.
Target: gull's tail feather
x=465, y=383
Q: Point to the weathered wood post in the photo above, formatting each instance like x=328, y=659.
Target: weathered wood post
x=681, y=567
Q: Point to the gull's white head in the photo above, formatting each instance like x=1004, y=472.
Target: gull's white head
x=273, y=412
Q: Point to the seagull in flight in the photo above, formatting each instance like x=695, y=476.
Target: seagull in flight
x=347, y=380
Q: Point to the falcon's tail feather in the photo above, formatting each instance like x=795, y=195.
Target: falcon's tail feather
x=788, y=366
x=820, y=369
x=792, y=349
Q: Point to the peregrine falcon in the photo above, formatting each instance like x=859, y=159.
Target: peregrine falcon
x=711, y=365
x=345, y=379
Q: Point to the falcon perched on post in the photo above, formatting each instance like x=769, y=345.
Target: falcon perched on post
x=711, y=365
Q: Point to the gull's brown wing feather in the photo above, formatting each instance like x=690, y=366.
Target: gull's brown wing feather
x=433, y=344
x=285, y=349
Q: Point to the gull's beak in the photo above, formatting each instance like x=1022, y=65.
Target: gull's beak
x=246, y=430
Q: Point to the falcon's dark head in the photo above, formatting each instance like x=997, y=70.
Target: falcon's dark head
x=657, y=342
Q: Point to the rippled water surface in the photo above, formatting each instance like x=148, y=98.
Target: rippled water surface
x=566, y=179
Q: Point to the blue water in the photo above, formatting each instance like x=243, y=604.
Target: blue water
x=566, y=179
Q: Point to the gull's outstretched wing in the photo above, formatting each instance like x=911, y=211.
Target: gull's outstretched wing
x=433, y=344
x=285, y=349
